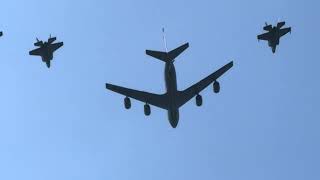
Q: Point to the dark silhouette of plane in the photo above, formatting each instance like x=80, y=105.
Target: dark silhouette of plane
x=1, y=33
x=46, y=49
x=274, y=34
x=172, y=99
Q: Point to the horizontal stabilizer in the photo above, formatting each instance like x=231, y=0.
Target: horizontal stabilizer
x=51, y=40
x=163, y=56
x=170, y=56
x=280, y=24
x=39, y=43
x=267, y=28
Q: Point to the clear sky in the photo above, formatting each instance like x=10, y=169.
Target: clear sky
x=62, y=124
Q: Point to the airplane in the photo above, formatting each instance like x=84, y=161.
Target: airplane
x=274, y=34
x=172, y=99
x=46, y=49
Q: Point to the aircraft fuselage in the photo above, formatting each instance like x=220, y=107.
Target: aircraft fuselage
x=274, y=41
x=172, y=91
x=46, y=55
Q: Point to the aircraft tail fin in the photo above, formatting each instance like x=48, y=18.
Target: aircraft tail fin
x=170, y=56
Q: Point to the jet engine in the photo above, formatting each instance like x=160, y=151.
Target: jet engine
x=216, y=87
x=127, y=103
x=199, y=100
x=147, y=109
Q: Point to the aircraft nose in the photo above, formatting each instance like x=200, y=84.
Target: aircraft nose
x=174, y=124
x=173, y=118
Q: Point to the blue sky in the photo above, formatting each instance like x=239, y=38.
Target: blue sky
x=61, y=123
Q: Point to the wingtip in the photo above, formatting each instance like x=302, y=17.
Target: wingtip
x=231, y=63
x=108, y=86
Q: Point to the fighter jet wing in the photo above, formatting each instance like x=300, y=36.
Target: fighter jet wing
x=56, y=46
x=284, y=31
x=186, y=95
x=158, y=100
x=35, y=52
x=265, y=36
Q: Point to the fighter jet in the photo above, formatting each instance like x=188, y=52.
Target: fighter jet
x=173, y=98
x=274, y=34
x=46, y=49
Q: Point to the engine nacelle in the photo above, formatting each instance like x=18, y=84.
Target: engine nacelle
x=199, y=100
x=147, y=110
x=216, y=87
x=127, y=103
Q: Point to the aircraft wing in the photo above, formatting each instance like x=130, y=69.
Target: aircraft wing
x=265, y=36
x=36, y=52
x=186, y=95
x=56, y=46
x=158, y=100
x=284, y=31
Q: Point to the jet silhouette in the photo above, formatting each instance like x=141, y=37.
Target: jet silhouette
x=172, y=99
x=46, y=49
x=274, y=34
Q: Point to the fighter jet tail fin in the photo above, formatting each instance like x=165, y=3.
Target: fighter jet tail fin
x=167, y=57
